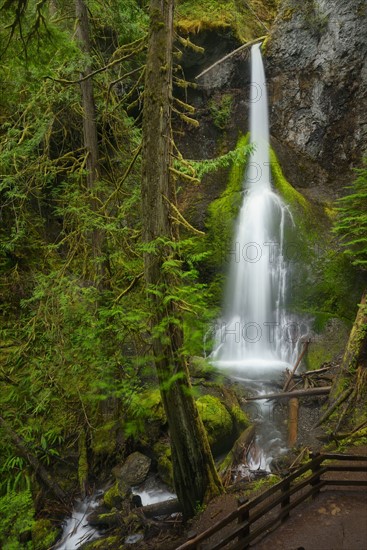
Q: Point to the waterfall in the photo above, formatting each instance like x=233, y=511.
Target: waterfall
x=254, y=331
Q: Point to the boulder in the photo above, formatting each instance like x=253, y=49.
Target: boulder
x=134, y=470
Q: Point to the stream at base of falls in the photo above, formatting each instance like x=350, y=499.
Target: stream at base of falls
x=76, y=529
x=270, y=436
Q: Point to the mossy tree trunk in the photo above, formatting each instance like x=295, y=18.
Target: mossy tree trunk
x=195, y=477
x=90, y=133
x=355, y=354
x=356, y=351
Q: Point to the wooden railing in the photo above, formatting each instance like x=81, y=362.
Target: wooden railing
x=249, y=520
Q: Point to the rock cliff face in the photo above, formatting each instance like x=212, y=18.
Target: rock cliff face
x=316, y=66
x=317, y=71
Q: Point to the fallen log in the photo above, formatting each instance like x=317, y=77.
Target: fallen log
x=240, y=447
x=165, y=508
x=236, y=51
x=289, y=379
x=334, y=406
x=312, y=372
x=296, y=393
x=293, y=406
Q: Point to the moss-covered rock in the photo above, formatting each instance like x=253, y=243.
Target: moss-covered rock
x=244, y=18
x=217, y=422
x=239, y=418
x=44, y=534
x=162, y=452
x=119, y=492
x=223, y=211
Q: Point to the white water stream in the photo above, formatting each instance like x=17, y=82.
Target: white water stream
x=77, y=530
x=255, y=337
x=254, y=331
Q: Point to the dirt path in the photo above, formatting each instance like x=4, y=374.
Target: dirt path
x=335, y=520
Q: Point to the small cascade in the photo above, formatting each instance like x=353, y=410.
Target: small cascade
x=254, y=330
x=77, y=530
x=153, y=491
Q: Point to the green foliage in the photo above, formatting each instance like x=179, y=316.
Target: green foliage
x=67, y=341
x=351, y=221
x=16, y=519
x=221, y=109
x=44, y=534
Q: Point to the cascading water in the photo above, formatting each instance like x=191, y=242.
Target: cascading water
x=253, y=332
x=255, y=338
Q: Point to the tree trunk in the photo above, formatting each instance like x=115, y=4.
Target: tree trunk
x=195, y=476
x=89, y=123
x=356, y=350
x=355, y=354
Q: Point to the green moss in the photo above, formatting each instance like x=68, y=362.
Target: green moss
x=290, y=195
x=224, y=210
x=262, y=484
x=239, y=418
x=104, y=438
x=44, y=534
x=243, y=18
x=82, y=462
x=152, y=403
x=17, y=519
x=162, y=451
x=217, y=421
x=105, y=543
x=116, y=494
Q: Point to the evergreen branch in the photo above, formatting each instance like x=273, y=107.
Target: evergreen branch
x=97, y=71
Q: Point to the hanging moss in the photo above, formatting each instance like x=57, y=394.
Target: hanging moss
x=246, y=19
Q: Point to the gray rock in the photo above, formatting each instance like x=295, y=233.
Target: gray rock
x=134, y=470
x=317, y=72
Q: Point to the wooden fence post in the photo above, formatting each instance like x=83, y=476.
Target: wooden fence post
x=286, y=499
x=244, y=518
x=315, y=468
